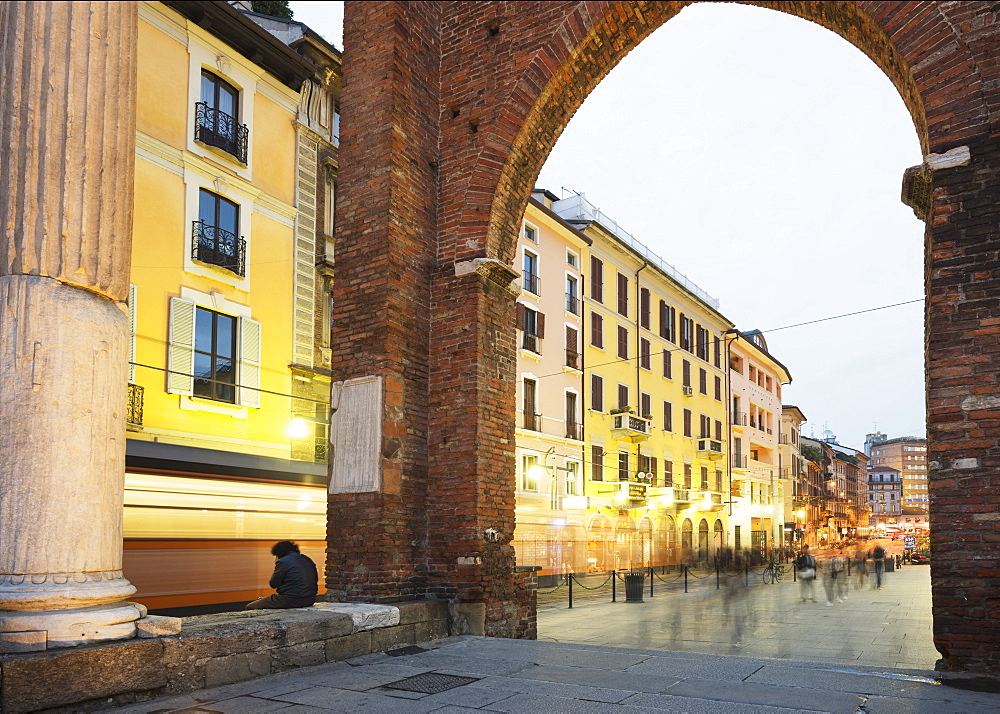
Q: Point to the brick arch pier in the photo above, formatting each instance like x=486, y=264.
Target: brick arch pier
x=450, y=110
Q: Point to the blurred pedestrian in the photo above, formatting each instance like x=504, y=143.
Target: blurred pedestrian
x=878, y=558
x=805, y=565
x=831, y=573
x=860, y=568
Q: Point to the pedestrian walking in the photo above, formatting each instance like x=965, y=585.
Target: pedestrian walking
x=833, y=568
x=860, y=568
x=805, y=565
x=878, y=558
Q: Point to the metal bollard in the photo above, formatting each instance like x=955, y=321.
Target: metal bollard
x=717, y=572
x=651, y=571
x=570, y=576
x=685, y=577
x=614, y=586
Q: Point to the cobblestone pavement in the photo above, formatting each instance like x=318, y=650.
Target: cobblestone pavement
x=499, y=675
x=890, y=627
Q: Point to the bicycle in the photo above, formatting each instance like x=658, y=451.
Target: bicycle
x=773, y=573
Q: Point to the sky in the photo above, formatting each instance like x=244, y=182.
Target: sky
x=762, y=155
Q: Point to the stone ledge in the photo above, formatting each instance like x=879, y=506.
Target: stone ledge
x=212, y=650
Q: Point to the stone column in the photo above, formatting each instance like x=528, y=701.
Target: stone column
x=67, y=135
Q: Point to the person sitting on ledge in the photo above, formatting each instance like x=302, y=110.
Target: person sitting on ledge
x=294, y=578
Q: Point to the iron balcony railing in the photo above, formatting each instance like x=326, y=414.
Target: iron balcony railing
x=573, y=360
x=133, y=415
x=633, y=423
x=532, y=421
x=216, y=128
x=572, y=304
x=211, y=244
x=530, y=282
x=739, y=418
x=574, y=431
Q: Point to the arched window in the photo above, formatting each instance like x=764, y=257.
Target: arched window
x=217, y=121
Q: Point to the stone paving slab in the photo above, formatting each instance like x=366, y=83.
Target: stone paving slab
x=527, y=676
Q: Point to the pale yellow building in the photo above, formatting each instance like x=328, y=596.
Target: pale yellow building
x=761, y=496
x=229, y=400
x=652, y=392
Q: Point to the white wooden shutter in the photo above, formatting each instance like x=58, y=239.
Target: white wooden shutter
x=180, y=352
x=131, y=332
x=249, y=363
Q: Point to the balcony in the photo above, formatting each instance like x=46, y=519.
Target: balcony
x=628, y=427
x=133, y=415
x=217, y=246
x=572, y=304
x=740, y=461
x=739, y=418
x=530, y=342
x=532, y=421
x=530, y=282
x=709, y=449
x=574, y=431
x=217, y=129
x=574, y=359
x=707, y=501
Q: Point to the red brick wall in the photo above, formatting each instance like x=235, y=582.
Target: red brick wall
x=450, y=109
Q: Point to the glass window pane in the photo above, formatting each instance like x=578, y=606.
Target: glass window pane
x=203, y=331
x=203, y=372
x=207, y=89
x=228, y=216
x=226, y=329
x=227, y=101
x=206, y=207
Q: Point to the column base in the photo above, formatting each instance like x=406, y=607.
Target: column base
x=72, y=627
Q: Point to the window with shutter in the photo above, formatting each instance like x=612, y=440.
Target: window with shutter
x=529, y=405
x=718, y=388
x=644, y=308
x=687, y=475
x=596, y=279
x=250, y=341
x=668, y=364
x=180, y=352
x=572, y=349
x=703, y=381
x=717, y=352
x=622, y=342
x=667, y=322
x=622, y=396
x=668, y=416
x=645, y=405
x=687, y=423
x=597, y=393
x=596, y=463
x=668, y=472
x=652, y=469
x=686, y=373
x=597, y=330
x=644, y=351
x=622, y=294
x=718, y=430
x=706, y=427
x=623, y=466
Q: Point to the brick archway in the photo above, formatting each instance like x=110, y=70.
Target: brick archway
x=450, y=110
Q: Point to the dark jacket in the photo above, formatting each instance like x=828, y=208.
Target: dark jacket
x=295, y=579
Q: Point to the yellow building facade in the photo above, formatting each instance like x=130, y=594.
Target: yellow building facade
x=229, y=398
x=652, y=389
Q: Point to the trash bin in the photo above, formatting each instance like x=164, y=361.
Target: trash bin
x=890, y=565
x=633, y=586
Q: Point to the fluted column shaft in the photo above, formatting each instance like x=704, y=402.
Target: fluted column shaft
x=67, y=155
